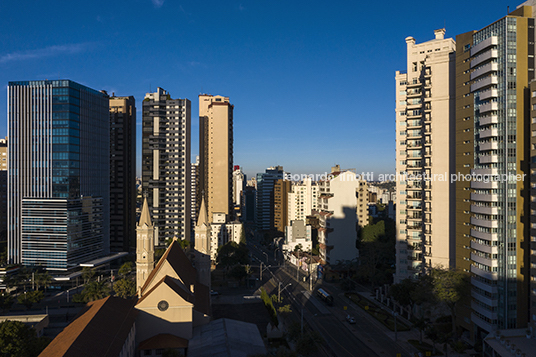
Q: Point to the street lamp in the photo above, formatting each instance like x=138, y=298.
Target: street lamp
x=395, y=314
x=266, y=256
x=279, y=290
x=275, y=254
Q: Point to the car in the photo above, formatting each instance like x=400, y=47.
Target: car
x=350, y=319
x=214, y=293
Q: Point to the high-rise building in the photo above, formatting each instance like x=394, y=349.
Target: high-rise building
x=281, y=192
x=337, y=214
x=302, y=200
x=194, y=178
x=424, y=134
x=3, y=189
x=122, y=173
x=264, y=210
x=494, y=67
x=59, y=173
x=239, y=183
x=166, y=164
x=216, y=154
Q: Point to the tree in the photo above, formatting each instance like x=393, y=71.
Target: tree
x=298, y=247
x=231, y=254
x=125, y=288
x=307, y=343
x=6, y=301
x=125, y=269
x=29, y=298
x=285, y=309
x=93, y=290
x=87, y=274
x=449, y=287
x=410, y=292
x=238, y=272
x=243, y=236
x=43, y=279
x=347, y=284
x=19, y=340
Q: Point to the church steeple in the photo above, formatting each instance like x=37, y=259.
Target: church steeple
x=202, y=230
x=144, y=247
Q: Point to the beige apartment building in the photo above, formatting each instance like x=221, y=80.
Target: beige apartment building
x=302, y=200
x=216, y=154
x=424, y=131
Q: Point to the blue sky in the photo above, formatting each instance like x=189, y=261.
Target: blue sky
x=312, y=81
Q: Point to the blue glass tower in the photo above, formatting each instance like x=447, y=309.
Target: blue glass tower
x=58, y=180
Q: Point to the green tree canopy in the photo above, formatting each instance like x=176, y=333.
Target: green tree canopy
x=30, y=298
x=125, y=269
x=231, y=254
x=125, y=288
x=450, y=287
x=19, y=340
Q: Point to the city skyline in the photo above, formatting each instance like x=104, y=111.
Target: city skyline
x=326, y=73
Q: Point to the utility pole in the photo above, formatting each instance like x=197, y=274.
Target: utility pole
x=261, y=273
x=279, y=292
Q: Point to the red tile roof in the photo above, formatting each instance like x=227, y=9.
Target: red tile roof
x=101, y=329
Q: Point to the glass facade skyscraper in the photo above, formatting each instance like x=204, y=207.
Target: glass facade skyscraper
x=59, y=170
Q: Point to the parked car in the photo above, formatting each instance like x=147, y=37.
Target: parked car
x=350, y=319
x=214, y=293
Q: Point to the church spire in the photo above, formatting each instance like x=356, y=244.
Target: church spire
x=145, y=217
x=202, y=219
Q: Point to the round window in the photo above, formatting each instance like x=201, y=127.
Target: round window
x=163, y=305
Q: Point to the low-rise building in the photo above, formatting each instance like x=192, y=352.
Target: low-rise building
x=298, y=234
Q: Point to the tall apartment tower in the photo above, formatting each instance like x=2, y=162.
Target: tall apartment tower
x=302, y=200
x=3, y=189
x=264, y=206
x=337, y=215
x=166, y=164
x=59, y=166
x=494, y=67
x=194, y=186
x=282, y=188
x=424, y=132
x=216, y=154
x=122, y=173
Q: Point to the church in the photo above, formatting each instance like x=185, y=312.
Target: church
x=171, y=312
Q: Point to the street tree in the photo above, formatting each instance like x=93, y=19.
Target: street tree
x=125, y=288
x=449, y=287
x=87, y=274
x=125, y=269
x=19, y=340
x=30, y=298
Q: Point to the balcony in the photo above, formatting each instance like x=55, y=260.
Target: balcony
x=490, y=145
x=486, y=261
x=484, y=209
x=487, y=223
x=484, y=286
x=484, y=171
x=484, y=325
x=483, y=57
x=484, y=82
x=486, y=159
x=484, y=248
x=484, y=185
x=483, y=311
x=487, y=107
x=483, y=235
x=490, y=67
x=488, y=133
x=484, y=197
x=490, y=93
x=485, y=274
x=490, y=41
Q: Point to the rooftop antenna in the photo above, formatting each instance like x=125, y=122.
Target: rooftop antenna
x=507, y=10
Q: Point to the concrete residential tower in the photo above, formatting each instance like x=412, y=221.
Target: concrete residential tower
x=166, y=164
x=216, y=154
x=424, y=132
x=494, y=68
x=122, y=173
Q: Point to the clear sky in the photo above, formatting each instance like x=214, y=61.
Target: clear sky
x=312, y=81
